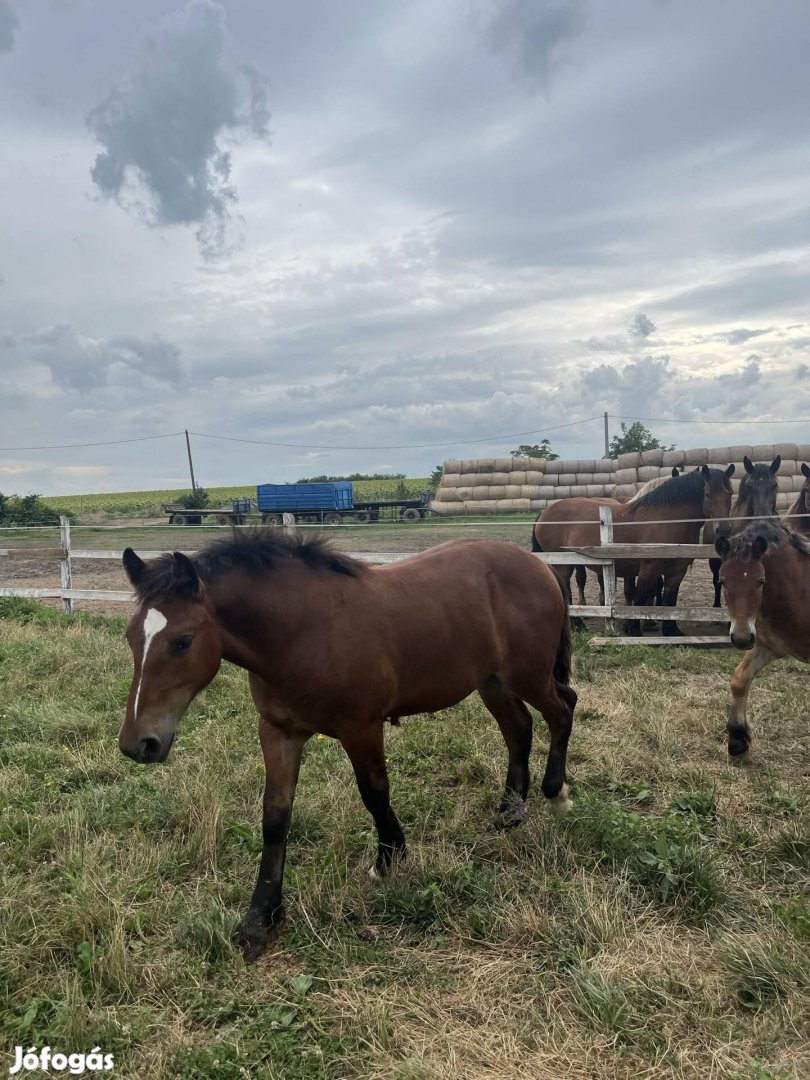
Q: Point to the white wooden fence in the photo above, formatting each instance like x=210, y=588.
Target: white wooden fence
x=603, y=556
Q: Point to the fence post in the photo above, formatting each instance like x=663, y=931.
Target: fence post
x=289, y=524
x=64, y=566
x=609, y=571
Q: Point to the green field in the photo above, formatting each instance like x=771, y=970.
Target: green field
x=660, y=930
x=148, y=503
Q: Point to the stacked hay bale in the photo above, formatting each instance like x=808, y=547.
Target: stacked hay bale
x=635, y=469
x=495, y=485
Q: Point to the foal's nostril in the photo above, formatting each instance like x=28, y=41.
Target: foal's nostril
x=149, y=748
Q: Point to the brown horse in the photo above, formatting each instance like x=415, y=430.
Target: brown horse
x=798, y=516
x=672, y=513
x=766, y=579
x=335, y=646
x=755, y=499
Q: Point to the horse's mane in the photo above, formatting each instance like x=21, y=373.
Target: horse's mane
x=741, y=545
x=651, y=485
x=688, y=487
x=255, y=552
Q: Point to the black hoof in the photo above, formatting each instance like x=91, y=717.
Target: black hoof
x=738, y=747
x=253, y=935
x=577, y=623
x=670, y=629
x=632, y=628
x=510, y=815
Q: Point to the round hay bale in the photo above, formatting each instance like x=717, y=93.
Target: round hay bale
x=632, y=460
x=579, y=491
x=672, y=458
x=621, y=491
x=452, y=465
x=719, y=456
x=450, y=495
x=538, y=505
x=450, y=480
x=587, y=465
x=449, y=509
x=503, y=464
x=785, y=483
x=763, y=452
x=530, y=491
x=787, y=450
x=648, y=472
x=626, y=476
x=519, y=476
x=496, y=491
x=605, y=478
x=585, y=478
x=595, y=491
x=737, y=453
x=501, y=478
x=802, y=451
x=463, y=494
x=735, y=484
x=513, y=491
x=553, y=467
x=652, y=457
x=546, y=493
x=788, y=467
x=784, y=500
x=798, y=482
x=524, y=505
x=697, y=457
x=562, y=491
x=550, y=479
x=468, y=465
x=567, y=478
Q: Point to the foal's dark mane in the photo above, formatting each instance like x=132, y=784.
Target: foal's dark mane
x=686, y=488
x=255, y=552
x=741, y=545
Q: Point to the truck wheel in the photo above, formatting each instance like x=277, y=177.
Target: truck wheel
x=410, y=514
x=332, y=518
x=272, y=519
x=176, y=519
x=224, y=519
x=362, y=517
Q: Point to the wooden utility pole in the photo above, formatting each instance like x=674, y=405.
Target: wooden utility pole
x=607, y=437
x=191, y=463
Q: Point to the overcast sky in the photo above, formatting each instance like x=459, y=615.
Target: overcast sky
x=368, y=224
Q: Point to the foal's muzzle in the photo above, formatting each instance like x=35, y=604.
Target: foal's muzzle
x=148, y=749
x=743, y=641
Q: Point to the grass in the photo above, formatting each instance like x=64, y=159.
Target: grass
x=661, y=930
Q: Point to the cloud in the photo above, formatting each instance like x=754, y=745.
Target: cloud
x=532, y=30
x=741, y=335
x=79, y=363
x=163, y=126
x=641, y=326
x=8, y=24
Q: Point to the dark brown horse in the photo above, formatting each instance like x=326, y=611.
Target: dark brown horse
x=755, y=499
x=672, y=513
x=338, y=647
x=798, y=516
x=765, y=573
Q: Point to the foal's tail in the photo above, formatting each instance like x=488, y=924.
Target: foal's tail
x=562, y=661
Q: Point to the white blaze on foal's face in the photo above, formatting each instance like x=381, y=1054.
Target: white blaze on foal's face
x=153, y=623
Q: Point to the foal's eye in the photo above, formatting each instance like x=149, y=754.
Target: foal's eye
x=182, y=644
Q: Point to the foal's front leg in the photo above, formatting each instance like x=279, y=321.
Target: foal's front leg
x=282, y=761
x=739, y=733
x=367, y=755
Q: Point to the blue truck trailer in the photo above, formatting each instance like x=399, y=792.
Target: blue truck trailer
x=333, y=503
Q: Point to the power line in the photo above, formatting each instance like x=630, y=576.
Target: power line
x=79, y=445
x=403, y=446
x=721, y=423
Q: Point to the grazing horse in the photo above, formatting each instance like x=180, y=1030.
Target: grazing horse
x=798, y=516
x=765, y=573
x=580, y=572
x=672, y=513
x=755, y=499
x=337, y=647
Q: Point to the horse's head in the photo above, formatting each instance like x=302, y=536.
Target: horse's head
x=758, y=488
x=176, y=649
x=717, y=497
x=742, y=576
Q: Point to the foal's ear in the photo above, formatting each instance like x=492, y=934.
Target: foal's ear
x=675, y=472
x=806, y=470
x=759, y=547
x=185, y=574
x=730, y=470
x=705, y=470
x=749, y=465
x=722, y=546
x=134, y=566
x=777, y=461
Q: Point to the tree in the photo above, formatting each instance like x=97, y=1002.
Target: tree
x=436, y=478
x=634, y=438
x=194, y=500
x=542, y=451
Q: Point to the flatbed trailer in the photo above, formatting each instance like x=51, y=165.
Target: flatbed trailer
x=332, y=503
x=235, y=514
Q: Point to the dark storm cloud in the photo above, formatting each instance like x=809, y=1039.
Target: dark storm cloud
x=532, y=30
x=8, y=25
x=80, y=363
x=163, y=126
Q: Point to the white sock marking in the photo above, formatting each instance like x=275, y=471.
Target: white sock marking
x=154, y=622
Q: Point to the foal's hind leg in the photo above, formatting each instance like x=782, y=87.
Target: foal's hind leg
x=367, y=755
x=556, y=702
x=581, y=575
x=515, y=722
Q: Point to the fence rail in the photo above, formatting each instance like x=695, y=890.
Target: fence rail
x=604, y=556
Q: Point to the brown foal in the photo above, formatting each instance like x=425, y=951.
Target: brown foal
x=337, y=647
